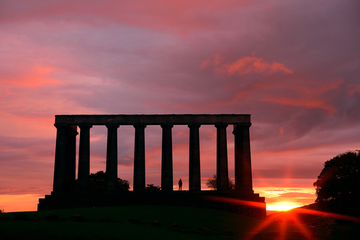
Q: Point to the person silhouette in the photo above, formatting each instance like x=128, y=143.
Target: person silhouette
x=180, y=185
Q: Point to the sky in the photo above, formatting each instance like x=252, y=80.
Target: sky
x=293, y=65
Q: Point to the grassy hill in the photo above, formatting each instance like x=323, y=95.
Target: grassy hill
x=168, y=222
x=131, y=222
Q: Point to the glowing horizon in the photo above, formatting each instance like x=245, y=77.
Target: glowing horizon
x=282, y=206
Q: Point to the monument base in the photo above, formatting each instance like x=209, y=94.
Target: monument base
x=245, y=204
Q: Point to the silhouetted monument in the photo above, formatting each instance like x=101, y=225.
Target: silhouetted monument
x=67, y=194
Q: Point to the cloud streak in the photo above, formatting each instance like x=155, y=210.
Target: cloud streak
x=246, y=65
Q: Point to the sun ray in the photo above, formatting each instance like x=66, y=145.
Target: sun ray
x=285, y=224
x=292, y=218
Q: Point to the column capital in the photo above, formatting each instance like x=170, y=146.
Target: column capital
x=71, y=127
x=167, y=125
x=112, y=125
x=237, y=127
x=85, y=125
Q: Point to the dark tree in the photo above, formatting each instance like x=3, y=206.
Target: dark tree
x=212, y=183
x=152, y=187
x=338, y=185
x=123, y=185
x=97, y=182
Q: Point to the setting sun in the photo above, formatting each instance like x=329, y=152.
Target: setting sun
x=281, y=206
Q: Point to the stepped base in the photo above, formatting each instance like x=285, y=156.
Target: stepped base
x=245, y=204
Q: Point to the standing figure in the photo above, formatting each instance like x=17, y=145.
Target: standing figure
x=180, y=185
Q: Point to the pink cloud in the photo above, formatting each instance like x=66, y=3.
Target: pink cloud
x=303, y=103
x=309, y=97
x=35, y=77
x=353, y=88
x=247, y=65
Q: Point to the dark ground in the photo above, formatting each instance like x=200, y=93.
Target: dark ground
x=167, y=222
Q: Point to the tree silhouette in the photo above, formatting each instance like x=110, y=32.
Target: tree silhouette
x=152, y=187
x=338, y=185
x=97, y=182
x=212, y=183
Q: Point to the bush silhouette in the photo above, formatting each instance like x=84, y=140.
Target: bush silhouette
x=97, y=183
x=212, y=183
x=152, y=187
x=337, y=186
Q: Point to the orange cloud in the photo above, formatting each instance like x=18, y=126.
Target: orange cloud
x=299, y=102
x=309, y=97
x=182, y=134
x=246, y=65
x=281, y=131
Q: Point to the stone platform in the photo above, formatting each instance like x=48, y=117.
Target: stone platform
x=251, y=205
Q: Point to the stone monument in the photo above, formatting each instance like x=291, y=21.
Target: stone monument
x=66, y=193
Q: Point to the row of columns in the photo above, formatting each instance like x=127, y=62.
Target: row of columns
x=65, y=159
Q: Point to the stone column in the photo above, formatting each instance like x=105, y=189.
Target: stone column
x=60, y=158
x=194, y=159
x=71, y=157
x=166, y=159
x=139, y=158
x=111, y=158
x=222, y=158
x=84, y=157
x=65, y=165
x=243, y=176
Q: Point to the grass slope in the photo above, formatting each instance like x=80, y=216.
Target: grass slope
x=131, y=222
x=169, y=222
